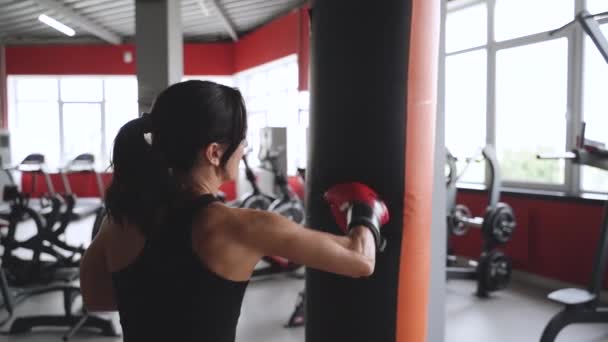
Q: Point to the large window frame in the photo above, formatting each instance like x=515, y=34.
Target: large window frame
x=105, y=152
x=575, y=37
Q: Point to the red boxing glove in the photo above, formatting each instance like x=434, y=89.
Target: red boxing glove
x=354, y=204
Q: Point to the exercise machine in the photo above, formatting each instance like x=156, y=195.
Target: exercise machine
x=583, y=305
x=46, y=241
x=39, y=277
x=287, y=204
x=256, y=199
x=83, y=207
x=492, y=270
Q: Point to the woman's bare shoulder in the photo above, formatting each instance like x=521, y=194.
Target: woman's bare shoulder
x=234, y=220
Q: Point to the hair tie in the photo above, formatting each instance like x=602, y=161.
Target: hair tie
x=146, y=121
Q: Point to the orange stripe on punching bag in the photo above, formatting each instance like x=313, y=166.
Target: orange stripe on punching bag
x=414, y=269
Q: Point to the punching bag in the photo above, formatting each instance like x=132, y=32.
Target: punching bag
x=372, y=120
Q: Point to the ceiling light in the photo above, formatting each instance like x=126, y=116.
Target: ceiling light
x=57, y=25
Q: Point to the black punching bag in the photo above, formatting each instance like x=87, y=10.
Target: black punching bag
x=373, y=101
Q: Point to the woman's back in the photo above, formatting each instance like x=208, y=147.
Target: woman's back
x=168, y=293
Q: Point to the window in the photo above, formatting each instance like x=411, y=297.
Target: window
x=597, y=6
x=81, y=89
x=595, y=115
x=34, y=118
x=466, y=82
x=82, y=129
x=272, y=99
x=120, y=107
x=517, y=18
x=466, y=28
x=531, y=95
x=465, y=109
x=35, y=131
x=62, y=117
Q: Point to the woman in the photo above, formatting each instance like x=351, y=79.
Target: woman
x=171, y=259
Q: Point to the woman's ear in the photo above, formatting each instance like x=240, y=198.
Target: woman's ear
x=214, y=153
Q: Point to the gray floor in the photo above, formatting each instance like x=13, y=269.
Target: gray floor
x=517, y=314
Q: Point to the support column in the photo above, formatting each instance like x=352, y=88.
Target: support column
x=159, y=48
x=3, y=89
x=373, y=108
x=437, y=290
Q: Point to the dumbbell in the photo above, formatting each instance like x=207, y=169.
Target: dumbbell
x=497, y=225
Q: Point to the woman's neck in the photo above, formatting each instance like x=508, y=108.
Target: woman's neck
x=204, y=181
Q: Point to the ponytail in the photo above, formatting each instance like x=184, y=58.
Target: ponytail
x=142, y=185
x=154, y=155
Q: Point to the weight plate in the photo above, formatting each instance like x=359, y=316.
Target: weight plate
x=494, y=271
x=455, y=224
x=499, y=224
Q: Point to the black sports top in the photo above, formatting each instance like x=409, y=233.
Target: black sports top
x=167, y=294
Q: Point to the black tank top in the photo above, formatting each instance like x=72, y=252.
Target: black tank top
x=167, y=294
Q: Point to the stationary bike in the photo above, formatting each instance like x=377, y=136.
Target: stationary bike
x=256, y=199
x=287, y=204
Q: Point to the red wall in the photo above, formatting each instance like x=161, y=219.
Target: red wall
x=555, y=237
x=209, y=59
x=85, y=185
x=199, y=59
x=282, y=37
x=303, y=49
x=275, y=40
x=3, y=88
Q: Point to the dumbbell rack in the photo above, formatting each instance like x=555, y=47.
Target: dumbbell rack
x=492, y=270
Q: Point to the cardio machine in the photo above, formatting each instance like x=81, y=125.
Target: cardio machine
x=287, y=203
x=256, y=199
x=492, y=270
x=40, y=277
x=83, y=207
x=47, y=218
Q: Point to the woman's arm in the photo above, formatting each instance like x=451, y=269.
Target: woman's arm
x=95, y=278
x=352, y=255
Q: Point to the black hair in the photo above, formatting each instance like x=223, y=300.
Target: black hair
x=153, y=153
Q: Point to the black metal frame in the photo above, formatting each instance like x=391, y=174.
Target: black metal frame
x=591, y=155
x=37, y=276
x=69, y=319
x=55, y=221
x=591, y=311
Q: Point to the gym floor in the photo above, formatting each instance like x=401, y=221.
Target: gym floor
x=517, y=314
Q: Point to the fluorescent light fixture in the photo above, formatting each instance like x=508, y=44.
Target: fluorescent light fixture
x=57, y=25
